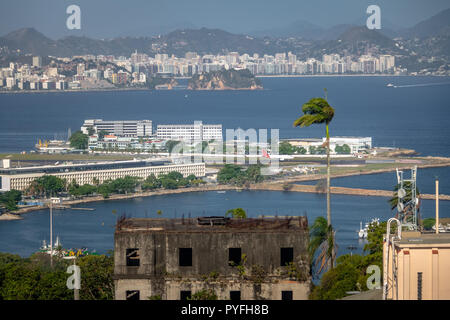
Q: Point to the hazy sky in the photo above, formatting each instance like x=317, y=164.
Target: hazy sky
x=111, y=18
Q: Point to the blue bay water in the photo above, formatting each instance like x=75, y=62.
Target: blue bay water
x=95, y=229
x=409, y=117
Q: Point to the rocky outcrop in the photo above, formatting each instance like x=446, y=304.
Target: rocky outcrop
x=225, y=80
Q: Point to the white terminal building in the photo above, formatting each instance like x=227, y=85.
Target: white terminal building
x=356, y=144
x=126, y=128
x=189, y=132
x=89, y=173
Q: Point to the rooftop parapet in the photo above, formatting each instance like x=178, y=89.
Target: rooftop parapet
x=212, y=224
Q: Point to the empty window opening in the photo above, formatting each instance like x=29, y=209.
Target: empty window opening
x=234, y=256
x=235, y=295
x=132, y=295
x=185, y=255
x=184, y=295
x=287, y=256
x=133, y=257
x=419, y=285
x=286, y=295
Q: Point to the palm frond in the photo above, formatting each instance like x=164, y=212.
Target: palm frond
x=315, y=111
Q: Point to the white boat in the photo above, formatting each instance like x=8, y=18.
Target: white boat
x=390, y=85
x=221, y=191
x=441, y=228
x=362, y=233
x=48, y=249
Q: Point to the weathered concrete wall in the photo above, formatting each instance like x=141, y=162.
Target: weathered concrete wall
x=249, y=291
x=260, y=275
x=159, y=251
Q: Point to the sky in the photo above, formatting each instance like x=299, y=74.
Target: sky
x=114, y=18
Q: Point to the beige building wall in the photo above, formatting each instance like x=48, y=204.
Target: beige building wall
x=22, y=181
x=431, y=258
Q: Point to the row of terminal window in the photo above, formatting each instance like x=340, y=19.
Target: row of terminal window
x=185, y=256
x=185, y=295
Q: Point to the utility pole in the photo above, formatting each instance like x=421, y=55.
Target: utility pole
x=437, y=206
x=76, y=290
x=51, y=233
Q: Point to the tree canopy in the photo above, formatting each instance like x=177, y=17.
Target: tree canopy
x=9, y=199
x=33, y=279
x=79, y=140
x=46, y=185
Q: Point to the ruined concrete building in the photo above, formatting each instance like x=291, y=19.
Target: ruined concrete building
x=248, y=259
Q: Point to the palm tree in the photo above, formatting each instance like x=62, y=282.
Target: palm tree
x=322, y=239
x=318, y=111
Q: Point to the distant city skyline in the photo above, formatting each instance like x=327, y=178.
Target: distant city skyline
x=108, y=19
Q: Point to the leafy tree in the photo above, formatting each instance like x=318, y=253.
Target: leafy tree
x=234, y=174
x=317, y=150
x=350, y=271
x=428, y=223
x=29, y=279
x=46, y=185
x=83, y=190
x=318, y=111
x=91, y=131
x=10, y=199
x=286, y=148
x=79, y=140
x=96, y=277
x=105, y=189
x=237, y=213
x=228, y=173
x=126, y=184
x=169, y=183
x=102, y=134
x=344, y=149
x=339, y=280
x=151, y=183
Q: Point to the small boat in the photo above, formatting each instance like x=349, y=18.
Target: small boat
x=363, y=232
x=390, y=85
x=65, y=253
x=441, y=228
x=221, y=191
